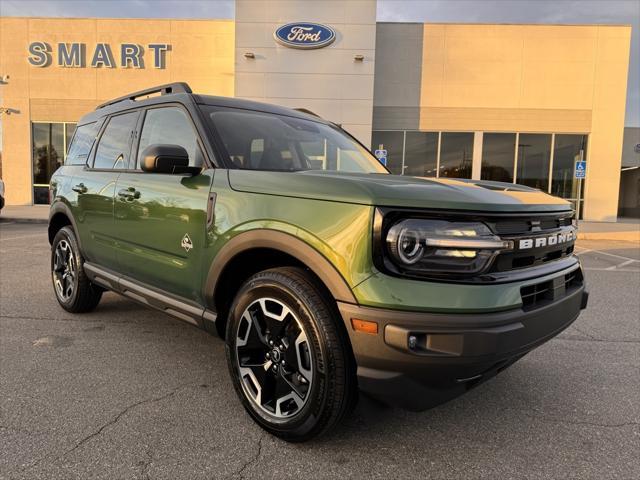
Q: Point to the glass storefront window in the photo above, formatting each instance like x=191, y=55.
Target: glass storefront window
x=421, y=154
x=456, y=154
x=69, y=129
x=534, y=151
x=49, y=142
x=392, y=143
x=498, y=154
x=567, y=150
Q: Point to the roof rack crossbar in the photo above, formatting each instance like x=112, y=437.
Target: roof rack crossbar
x=177, y=87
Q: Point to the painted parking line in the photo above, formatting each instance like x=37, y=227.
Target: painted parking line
x=608, y=254
x=623, y=264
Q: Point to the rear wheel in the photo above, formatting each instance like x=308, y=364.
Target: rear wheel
x=289, y=359
x=74, y=291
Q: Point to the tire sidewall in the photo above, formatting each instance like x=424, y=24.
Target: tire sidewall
x=65, y=233
x=305, y=420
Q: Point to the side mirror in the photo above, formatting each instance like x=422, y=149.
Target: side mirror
x=162, y=158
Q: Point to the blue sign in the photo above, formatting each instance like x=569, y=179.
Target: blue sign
x=305, y=35
x=581, y=169
x=381, y=155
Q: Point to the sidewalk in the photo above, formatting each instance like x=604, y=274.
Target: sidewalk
x=626, y=229
x=25, y=214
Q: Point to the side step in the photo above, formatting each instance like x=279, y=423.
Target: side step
x=152, y=297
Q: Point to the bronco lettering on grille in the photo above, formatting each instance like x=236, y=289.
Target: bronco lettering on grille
x=550, y=240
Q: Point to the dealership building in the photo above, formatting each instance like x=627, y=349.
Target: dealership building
x=513, y=103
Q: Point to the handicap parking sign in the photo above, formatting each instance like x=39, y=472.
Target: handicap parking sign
x=381, y=155
x=581, y=169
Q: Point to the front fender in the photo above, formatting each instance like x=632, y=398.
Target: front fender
x=286, y=243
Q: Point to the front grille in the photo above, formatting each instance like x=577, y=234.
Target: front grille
x=540, y=294
x=530, y=225
x=529, y=228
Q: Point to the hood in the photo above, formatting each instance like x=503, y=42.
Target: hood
x=397, y=191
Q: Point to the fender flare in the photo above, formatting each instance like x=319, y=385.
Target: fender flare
x=285, y=243
x=61, y=207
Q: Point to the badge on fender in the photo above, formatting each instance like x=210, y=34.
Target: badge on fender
x=186, y=242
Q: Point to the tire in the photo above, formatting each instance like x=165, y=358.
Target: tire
x=304, y=388
x=73, y=289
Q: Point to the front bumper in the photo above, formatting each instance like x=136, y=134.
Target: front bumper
x=419, y=360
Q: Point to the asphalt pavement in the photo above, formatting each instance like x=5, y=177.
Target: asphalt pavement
x=127, y=392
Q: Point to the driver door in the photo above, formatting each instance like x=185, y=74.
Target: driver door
x=160, y=219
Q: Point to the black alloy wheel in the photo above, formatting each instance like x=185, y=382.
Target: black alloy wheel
x=289, y=354
x=74, y=291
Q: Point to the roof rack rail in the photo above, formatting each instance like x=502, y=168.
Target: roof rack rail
x=176, y=87
x=307, y=111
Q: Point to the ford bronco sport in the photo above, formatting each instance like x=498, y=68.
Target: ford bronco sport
x=325, y=274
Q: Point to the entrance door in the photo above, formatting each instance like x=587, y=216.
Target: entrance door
x=161, y=219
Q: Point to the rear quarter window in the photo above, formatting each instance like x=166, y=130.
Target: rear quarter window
x=81, y=144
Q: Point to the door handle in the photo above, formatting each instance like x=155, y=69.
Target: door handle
x=80, y=188
x=129, y=193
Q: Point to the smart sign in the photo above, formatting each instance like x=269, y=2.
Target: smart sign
x=75, y=55
x=305, y=35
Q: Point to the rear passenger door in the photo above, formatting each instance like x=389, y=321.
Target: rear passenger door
x=94, y=187
x=161, y=219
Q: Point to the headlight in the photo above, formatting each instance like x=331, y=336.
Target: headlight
x=426, y=247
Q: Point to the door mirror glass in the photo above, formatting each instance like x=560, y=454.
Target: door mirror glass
x=163, y=158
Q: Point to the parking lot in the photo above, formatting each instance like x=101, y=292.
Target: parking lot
x=127, y=392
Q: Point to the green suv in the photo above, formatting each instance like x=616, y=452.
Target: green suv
x=324, y=274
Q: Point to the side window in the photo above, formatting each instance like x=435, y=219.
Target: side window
x=81, y=143
x=172, y=126
x=113, y=149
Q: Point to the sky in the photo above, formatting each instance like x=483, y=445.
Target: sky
x=469, y=11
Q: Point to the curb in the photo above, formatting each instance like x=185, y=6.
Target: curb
x=42, y=221
x=614, y=236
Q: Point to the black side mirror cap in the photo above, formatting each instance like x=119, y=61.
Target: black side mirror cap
x=164, y=158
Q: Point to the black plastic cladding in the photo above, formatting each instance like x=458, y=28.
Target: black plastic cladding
x=385, y=217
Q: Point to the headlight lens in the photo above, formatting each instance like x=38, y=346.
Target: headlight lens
x=425, y=247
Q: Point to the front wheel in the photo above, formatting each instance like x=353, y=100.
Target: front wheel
x=74, y=291
x=288, y=356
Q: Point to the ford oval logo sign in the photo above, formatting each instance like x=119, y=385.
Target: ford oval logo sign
x=305, y=35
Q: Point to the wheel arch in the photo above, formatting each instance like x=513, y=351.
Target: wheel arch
x=255, y=250
x=60, y=216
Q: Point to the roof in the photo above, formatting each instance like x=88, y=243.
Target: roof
x=180, y=92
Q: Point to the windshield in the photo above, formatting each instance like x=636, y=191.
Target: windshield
x=265, y=141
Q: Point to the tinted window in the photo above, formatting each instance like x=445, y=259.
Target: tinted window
x=48, y=154
x=113, y=149
x=421, y=154
x=456, y=154
x=81, y=144
x=263, y=141
x=567, y=151
x=170, y=126
x=498, y=155
x=534, y=150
